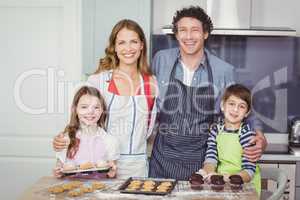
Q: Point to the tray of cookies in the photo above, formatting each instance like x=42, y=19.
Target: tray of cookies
x=75, y=188
x=148, y=186
x=69, y=169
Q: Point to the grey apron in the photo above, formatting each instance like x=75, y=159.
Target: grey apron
x=184, y=120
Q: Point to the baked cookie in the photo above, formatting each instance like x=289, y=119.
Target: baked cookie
x=136, y=182
x=56, y=189
x=86, y=189
x=96, y=185
x=67, y=186
x=149, y=187
x=134, y=187
x=146, y=189
x=149, y=183
x=166, y=183
x=75, y=184
x=162, y=189
x=75, y=193
x=131, y=189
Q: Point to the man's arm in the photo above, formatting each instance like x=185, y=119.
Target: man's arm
x=254, y=153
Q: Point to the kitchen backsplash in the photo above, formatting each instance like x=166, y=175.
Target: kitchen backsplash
x=270, y=66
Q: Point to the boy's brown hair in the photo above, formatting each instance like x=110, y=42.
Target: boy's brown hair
x=239, y=91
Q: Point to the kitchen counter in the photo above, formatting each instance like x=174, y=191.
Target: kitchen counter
x=182, y=191
x=279, y=158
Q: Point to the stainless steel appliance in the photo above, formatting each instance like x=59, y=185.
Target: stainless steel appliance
x=294, y=133
x=294, y=136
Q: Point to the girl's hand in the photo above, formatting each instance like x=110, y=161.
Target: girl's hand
x=113, y=169
x=59, y=142
x=57, y=172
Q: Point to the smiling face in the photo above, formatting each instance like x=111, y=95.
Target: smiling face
x=128, y=47
x=235, y=110
x=190, y=36
x=89, y=109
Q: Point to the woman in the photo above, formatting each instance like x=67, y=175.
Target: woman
x=126, y=82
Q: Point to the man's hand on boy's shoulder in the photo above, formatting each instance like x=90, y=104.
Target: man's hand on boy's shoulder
x=253, y=153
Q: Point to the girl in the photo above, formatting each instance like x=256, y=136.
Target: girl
x=129, y=89
x=228, y=139
x=88, y=143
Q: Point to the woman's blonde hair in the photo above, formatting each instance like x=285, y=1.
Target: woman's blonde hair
x=111, y=60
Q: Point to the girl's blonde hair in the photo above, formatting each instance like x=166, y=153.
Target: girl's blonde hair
x=74, y=124
x=111, y=60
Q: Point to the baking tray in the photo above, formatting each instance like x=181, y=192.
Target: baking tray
x=86, y=171
x=157, y=181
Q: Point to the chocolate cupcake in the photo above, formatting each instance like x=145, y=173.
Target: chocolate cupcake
x=217, y=182
x=196, y=181
x=236, y=182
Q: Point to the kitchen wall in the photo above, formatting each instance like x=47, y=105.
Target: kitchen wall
x=267, y=65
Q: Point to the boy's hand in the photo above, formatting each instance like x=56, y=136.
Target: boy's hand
x=253, y=153
x=59, y=142
x=207, y=177
x=226, y=177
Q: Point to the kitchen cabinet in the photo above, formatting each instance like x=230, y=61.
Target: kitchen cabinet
x=265, y=13
x=163, y=11
x=275, y=13
x=290, y=169
x=98, y=19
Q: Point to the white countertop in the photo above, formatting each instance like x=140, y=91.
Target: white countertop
x=279, y=138
x=280, y=157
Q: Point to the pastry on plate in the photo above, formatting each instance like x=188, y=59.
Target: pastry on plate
x=102, y=164
x=87, y=165
x=69, y=167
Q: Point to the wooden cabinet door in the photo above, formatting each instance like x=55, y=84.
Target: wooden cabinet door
x=290, y=170
x=39, y=53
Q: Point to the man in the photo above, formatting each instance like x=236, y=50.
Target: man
x=190, y=81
